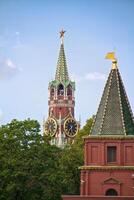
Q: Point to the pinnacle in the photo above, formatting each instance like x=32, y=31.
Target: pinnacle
x=61, y=71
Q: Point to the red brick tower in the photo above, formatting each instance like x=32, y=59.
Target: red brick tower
x=61, y=124
x=108, y=171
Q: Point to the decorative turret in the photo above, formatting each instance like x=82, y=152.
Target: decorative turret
x=114, y=115
x=61, y=103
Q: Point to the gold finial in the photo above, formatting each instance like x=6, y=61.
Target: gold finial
x=111, y=56
x=62, y=32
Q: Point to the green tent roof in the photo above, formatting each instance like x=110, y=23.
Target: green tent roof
x=61, y=76
x=61, y=70
x=114, y=115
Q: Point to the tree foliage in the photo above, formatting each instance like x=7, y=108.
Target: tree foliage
x=29, y=165
x=32, y=169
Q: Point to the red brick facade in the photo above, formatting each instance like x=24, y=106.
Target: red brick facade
x=60, y=104
x=98, y=176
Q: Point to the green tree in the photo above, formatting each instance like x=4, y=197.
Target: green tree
x=32, y=169
x=29, y=166
x=85, y=131
x=72, y=158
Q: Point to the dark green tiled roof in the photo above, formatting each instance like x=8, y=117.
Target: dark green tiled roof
x=114, y=115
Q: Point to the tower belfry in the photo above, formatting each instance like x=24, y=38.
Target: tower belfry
x=61, y=123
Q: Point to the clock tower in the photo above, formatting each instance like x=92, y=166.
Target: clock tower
x=61, y=124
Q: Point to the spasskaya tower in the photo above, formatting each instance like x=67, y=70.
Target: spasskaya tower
x=61, y=124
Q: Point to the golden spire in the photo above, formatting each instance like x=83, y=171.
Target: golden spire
x=111, y=56
x=62, y=32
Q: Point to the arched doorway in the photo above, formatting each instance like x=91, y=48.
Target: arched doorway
x=111, y=192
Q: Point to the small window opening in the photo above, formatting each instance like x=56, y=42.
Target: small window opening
x=69, y=90
x=111, y=154
x=60, y=90
x=52, y=92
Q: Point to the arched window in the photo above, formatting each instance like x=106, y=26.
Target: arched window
x=60, y=89
x=69, y=90
x=52, y=92
x=111, y=192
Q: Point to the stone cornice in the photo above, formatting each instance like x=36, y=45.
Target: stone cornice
x=109, y=137
x=106, y=168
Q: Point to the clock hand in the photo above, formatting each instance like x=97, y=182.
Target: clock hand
x=71, y=128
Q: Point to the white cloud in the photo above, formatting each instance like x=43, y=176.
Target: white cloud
x=10, y=64
x=95, y=76
x=17, y=33
x=91, y=76
x=8, y=69
x=1, y=114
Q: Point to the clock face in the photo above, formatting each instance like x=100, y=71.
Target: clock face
x=50, y=126
x=70, y=127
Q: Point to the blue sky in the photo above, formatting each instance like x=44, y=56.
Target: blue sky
x=29, y=48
